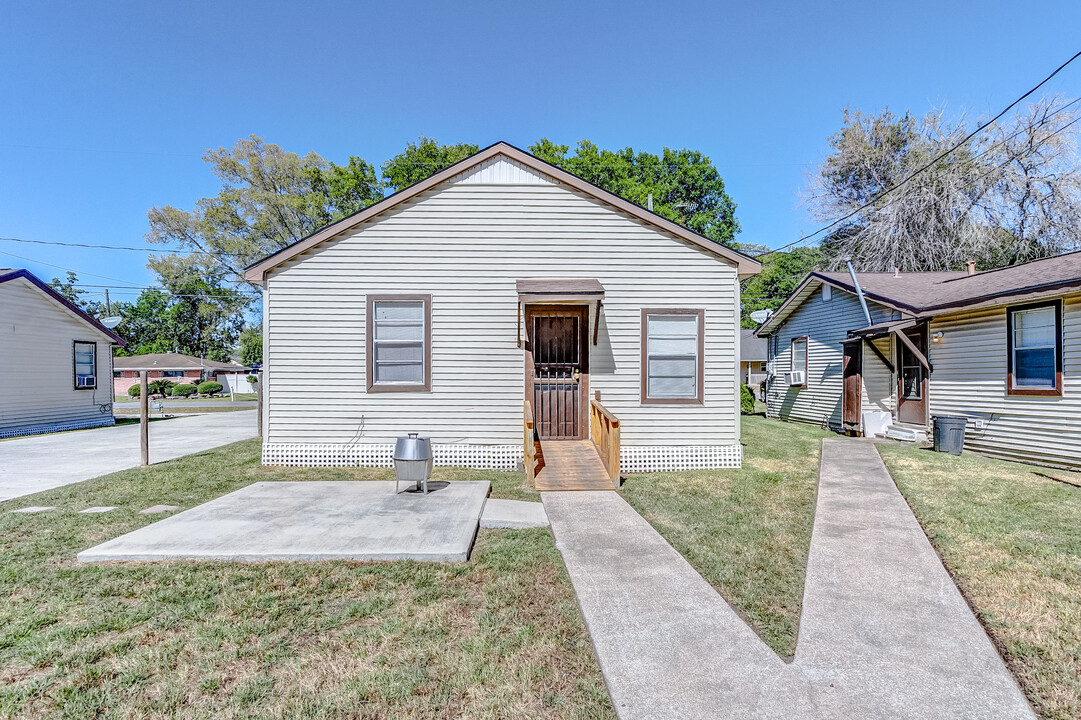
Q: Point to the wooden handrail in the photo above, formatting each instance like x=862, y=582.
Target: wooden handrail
x=530, y=456
x=604, y=431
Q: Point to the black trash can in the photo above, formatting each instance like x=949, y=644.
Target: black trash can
x=949, y=433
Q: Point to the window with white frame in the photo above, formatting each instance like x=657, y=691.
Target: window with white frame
x=672, y=362
x=798, y=356
x=86, y=365
x=399, y=339
x=1034, y=338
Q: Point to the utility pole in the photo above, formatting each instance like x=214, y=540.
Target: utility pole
x=144, y=419
x=108, y=305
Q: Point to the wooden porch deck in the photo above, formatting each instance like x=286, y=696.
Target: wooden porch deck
x=572, y=465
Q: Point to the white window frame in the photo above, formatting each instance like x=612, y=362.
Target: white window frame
x=699, y=357
x=93, y=374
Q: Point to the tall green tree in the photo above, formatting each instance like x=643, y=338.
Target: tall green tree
x=781, y=274
x=69, y=289
x=269, y=198
x=685, y=185
x=422, y=159
x=251, y=345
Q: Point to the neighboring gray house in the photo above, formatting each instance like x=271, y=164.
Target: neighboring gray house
x=498, y=281
x=55, y=361
x=1002, y=348
x=752, y=359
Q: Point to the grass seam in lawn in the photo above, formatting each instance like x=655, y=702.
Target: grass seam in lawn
x=999, y=647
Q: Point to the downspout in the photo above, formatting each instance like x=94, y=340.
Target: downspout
x=859, y=291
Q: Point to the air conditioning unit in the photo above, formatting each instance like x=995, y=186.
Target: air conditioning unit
x=86, y=382
x=796, y=377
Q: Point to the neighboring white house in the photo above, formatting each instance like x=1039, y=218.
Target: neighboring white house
x=501, y=279
x=1001, y=348
x=55, y=361
x=753, y=356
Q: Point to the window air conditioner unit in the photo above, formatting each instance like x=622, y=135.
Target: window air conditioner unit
x=795, y=377
x=85, y=382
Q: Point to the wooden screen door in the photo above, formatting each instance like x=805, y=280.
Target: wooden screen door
x=557, y=370
x=852, y=402
x=912, y=378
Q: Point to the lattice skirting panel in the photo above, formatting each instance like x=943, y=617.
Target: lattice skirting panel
x=478, y=457
x=56, y=427
x=640, y=459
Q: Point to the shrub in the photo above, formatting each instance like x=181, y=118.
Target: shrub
x=135, y=390
x=746, y=400
x=160, y=387
x=252, y=379
x=210, y=387
x=184, y=390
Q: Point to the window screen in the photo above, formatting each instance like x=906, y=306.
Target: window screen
x=398, y=352
x=85, y=365
x=799, y=354
x=672, y=347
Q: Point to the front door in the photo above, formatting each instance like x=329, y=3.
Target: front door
x=852, y=407
x=557, y=370
x=912, y=378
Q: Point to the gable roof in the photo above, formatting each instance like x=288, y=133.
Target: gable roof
x=929, y=293
x=10, y=274
x=170, y=361
x=257, y=271
x=751, y=347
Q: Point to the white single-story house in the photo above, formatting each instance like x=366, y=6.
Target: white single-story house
x=179, y=368
x=498, y=288
x=753, y=356
x=1001, y=348
x=55, y=361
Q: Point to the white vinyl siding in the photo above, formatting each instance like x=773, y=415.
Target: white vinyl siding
x=825, y=323
x=466, y=244
x=969, y=379
x=878, y=383
x=671, y=356
x=37, y=368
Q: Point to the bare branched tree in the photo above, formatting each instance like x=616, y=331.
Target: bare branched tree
x=1009, y=194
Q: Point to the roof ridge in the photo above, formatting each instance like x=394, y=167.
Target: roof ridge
x=1015, y=265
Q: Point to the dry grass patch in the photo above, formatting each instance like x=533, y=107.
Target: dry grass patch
x=497, y=637
x=1011, y=537
x=746, y=531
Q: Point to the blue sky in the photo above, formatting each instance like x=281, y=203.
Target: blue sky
x=107, y=107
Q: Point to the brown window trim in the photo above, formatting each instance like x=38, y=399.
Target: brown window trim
x=806, y=357
x=699, y=399
x=369, y=336
x=75, y=372
x=1045, y=392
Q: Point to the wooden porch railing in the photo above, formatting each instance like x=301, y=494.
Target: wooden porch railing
x=604, y=431
x=530, y=461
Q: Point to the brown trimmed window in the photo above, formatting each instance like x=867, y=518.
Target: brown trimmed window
x=797, y=357
x=673, y=349
x=85, y=360
x=399, y=343
x=1034, y=349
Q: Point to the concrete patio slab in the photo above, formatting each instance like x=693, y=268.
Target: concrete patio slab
x=309, y=521
x=882, y=620
x=513, y=514
x=96, y=510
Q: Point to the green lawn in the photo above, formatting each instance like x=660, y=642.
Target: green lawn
x=497, y=637
x=1011, y=537
x=746, y=531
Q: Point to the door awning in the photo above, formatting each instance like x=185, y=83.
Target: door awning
x=533, y=290
x=560, y=290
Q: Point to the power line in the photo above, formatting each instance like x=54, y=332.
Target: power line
x=118, y=247
x=926, y=166
x=66, y=269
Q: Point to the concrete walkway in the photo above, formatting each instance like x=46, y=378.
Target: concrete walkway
x=42, y=462
x=884, y=631
x=882, y=620
x=668, y=645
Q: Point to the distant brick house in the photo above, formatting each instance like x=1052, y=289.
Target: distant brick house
x=182, y=369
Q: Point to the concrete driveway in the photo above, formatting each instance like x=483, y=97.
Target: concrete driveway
x=32, y=464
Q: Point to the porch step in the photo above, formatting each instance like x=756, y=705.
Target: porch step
x=572, y=465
